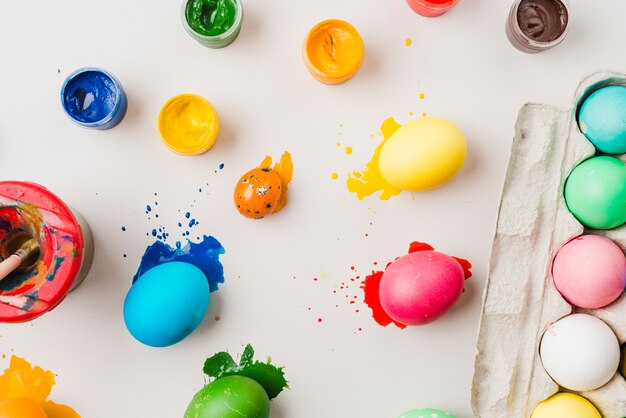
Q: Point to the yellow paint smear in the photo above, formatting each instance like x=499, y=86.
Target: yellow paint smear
x=366, y=182
x=22, y=381
x=284, y=169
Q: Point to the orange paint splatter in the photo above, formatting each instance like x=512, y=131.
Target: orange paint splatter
x=217, y=317
x=22, y=381
x=284, y=169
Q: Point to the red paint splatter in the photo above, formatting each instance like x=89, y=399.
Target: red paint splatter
x=319, y=320
x=217, y=317
x=371, y=286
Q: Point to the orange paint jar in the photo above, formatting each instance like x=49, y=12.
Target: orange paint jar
x=333, y=51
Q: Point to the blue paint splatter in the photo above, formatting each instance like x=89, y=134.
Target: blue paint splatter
x=154, y=232
x=187, y=215
x=148, y=209
x=221, y=166
x=200, y=190
x=204, y=255
x=123, y=228
x=192, y=223
x=180, y=225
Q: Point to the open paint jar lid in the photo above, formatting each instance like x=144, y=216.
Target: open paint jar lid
x=30, y=211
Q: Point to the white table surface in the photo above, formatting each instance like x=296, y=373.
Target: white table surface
x=269, y=103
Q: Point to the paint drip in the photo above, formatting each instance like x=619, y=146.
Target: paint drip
x=371, y=286
x=204, y=255
x=22, y=382
x=369, y=181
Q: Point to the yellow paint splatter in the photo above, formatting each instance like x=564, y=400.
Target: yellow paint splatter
x=410, y=113
x=369, y=181
x=424, y=114
x=338, y=144
x=284, y=169
x=22, y=381
x=348, y=150
x=422, y=96
x=334, y=176
x=408, y=42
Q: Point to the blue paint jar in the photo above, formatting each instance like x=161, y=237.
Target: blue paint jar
x=94, y=98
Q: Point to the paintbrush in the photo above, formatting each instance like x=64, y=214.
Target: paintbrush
x=27, y=250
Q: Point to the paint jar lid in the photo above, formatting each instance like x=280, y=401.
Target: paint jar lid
x=28, y=208
x=333, y=51
x=215, y=41
x=188, y=124
x=93, y=98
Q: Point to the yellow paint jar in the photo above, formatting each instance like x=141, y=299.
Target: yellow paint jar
x=333, y=51
x=188, y=124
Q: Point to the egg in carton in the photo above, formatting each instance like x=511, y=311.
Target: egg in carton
x=520, y=300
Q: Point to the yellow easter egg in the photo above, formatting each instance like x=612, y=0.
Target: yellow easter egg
x=566, y=405
x=423, y=154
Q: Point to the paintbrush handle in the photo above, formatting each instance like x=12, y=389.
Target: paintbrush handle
x=9, y=265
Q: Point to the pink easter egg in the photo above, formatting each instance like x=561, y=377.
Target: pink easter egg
x=590, y=271
x=420, y=287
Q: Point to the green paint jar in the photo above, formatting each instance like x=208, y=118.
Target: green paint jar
x=213, y=23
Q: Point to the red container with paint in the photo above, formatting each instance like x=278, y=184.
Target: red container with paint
x=431, y=8
x=29, y=212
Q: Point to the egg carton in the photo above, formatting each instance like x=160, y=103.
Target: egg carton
x=520, y=300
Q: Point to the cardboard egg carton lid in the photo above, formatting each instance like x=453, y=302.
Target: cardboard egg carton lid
x=520, y=300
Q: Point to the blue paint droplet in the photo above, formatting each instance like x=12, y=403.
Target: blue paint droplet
x=192, y=223
x=204, y=255
x=124, y=255
x=148, y=209
x=156, y=215
x=154, y=232
x=187, y=215
x=221, y=166
x=200, y=190
x=180, y=224
x=156, y=203
x=123, y=228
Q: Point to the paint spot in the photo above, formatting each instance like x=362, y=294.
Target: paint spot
x=348, y=150
x=422, y=96
x=123, y=228
x=424, y=114
x=369, y=181
x=217, y=317
x=22, y=381
x=334, y=176
x=408, y=42
x=371, y=286
x=319, y=320
x=204, y=255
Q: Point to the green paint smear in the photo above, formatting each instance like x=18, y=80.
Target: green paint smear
x=270, y=377
x=211, y=17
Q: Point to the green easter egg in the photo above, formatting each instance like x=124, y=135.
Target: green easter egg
x=595, y=192
x=230, y=397
x=426, y=413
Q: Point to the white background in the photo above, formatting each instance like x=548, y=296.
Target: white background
x=269, y=103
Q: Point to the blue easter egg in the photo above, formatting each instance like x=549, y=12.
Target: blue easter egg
x=602, y=119
x=166, y=303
